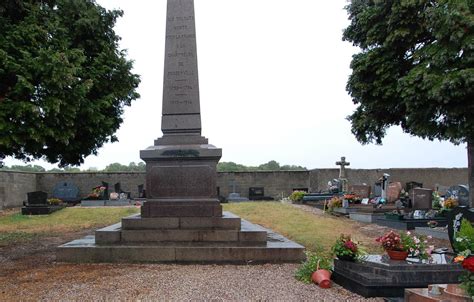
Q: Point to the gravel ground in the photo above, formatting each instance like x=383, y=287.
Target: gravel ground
x=100, y=282
x=28, y=272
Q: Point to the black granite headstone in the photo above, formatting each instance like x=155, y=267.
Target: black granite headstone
x=455, y=216
x=37, y=197
x=256, y=193
x=66, y=191
x=105, y=195
x=459, y=192
x=141, y=191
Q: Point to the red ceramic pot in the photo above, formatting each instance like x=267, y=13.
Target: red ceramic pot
x=397, y=255
x=322, y=277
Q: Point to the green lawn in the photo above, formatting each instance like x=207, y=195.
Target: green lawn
x=316, y=233
x=15, y=227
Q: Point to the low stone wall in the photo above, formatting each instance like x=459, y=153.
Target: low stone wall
x=276, y=184
x=15, y=185
x=13, y=188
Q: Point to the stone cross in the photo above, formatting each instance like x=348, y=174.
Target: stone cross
x=342, y=170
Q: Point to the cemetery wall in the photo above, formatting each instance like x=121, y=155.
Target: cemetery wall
x=13, y=188
x=275, y=183
x=429, y=177
x=15, y=185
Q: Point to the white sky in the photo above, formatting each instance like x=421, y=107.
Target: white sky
x=272, y=81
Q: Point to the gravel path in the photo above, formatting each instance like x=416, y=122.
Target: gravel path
x=103, y=282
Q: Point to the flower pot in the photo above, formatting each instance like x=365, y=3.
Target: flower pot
x=322, y=277
x=397, y=255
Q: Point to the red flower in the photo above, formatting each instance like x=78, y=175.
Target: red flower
x=468, y=263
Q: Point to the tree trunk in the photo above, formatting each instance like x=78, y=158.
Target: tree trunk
x=470, y=168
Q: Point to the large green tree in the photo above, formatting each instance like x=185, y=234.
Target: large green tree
x=64, y=81
x=415, y=70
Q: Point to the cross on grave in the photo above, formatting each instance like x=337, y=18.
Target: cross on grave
x=342, y=170
x=342, y=173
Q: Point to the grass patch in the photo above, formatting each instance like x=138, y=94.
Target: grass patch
x=316, y=233
x=17, y=228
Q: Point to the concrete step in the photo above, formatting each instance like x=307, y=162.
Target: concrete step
x=228, y=221
x=85, y=250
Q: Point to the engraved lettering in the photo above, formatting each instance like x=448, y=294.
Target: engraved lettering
x=181, y=102
x=180, y=73
x=179, y=88
x=181, y=27
x=181, y=36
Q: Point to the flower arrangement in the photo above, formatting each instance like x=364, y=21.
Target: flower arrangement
x=345, y=248
x=436, y=203
x=450, y=203
x=297, y=196
x=335, y=202
x=464, y=243
x=54, y=201
x=352, y=198
x=416, y=246
x=97, y=193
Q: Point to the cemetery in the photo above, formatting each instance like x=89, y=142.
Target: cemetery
x=183, y=231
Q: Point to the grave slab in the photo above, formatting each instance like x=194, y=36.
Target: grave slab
x=378, y=276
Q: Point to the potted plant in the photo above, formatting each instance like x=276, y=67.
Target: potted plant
x=400, y=246
x=297, y=196
x=345, y=248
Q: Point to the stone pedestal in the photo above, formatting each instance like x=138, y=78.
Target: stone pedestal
x=181, y=177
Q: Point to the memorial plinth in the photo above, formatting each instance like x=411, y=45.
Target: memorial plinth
x=182, y=219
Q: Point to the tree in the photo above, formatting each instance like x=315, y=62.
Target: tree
x=63, y=80
x=415, y=70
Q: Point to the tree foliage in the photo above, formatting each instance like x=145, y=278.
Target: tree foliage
x=63, y=80
x=415, y=68
x=270, y=166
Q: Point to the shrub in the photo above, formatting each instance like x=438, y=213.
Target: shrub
x=297, y=196
x=54, y=201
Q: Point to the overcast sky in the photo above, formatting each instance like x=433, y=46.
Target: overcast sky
x=272, y=81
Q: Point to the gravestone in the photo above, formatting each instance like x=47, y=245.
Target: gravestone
x=67, y=192
x=378, y=189
x=460, y=193
x=362, y=191
x=141, y=191
x=106, y=192
x=37, y=204
x=421, y=199
x=37, y=198
x=394, y=190
x=182, y=220
x=455, y=216
x=258, y=193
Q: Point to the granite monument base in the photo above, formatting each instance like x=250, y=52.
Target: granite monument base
x=409, y=224
x=378, y=276
x=40, y=209
x=224, y=239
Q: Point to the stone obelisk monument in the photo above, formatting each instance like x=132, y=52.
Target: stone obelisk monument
x=181, y=219
x=181, y=166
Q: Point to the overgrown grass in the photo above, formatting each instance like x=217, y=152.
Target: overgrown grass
x=16, y=227
x=316, y=233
